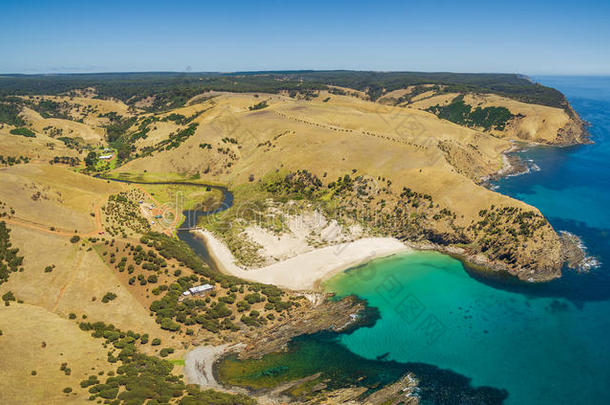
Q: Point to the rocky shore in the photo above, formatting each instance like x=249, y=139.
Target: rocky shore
x=338, y=316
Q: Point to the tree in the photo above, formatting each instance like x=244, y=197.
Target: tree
x=91, y=159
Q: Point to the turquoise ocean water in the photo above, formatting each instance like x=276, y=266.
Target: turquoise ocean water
x=543, y=344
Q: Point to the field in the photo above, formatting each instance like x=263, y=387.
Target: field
x=184, y=197
x=34, y=345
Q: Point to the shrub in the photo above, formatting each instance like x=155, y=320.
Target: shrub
x=108, y=297
x=170, y=325
x=23, y=132
x=258, y=106
x=75, y=239
x=166, y=351
x=8, y=297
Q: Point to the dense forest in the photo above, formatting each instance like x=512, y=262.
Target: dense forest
x=172, y=90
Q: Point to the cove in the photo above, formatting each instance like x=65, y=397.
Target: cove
x=457, y=329
x=544, y=343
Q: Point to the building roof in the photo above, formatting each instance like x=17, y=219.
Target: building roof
x=201, y=288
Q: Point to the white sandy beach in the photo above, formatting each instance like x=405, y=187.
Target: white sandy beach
x=303, y=271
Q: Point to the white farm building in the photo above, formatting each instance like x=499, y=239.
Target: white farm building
x=198, y=290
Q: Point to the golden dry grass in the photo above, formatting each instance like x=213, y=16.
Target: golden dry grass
x=335, y=137
x=79, y=276
x=537, y=123
x=41, y=148
x=35, y=339
x=72, y=129
x=66, y=198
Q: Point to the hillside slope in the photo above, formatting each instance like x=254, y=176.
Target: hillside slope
x=331, y=136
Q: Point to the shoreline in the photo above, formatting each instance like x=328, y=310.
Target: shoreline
x=312, y=270
x=308, y=270
x=199, y=364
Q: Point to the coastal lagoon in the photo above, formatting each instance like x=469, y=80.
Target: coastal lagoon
x=479, y=339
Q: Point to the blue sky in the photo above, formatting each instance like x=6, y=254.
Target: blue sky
x=532, y=37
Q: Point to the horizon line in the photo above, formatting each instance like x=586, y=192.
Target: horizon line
x=290, y=71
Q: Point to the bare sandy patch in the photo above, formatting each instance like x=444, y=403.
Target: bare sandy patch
x=303, y=233
x=198, y=364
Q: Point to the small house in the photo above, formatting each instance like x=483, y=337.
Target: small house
x=105, y=157
x=198, y=290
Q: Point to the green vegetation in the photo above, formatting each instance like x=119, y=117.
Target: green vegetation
x=12, y=160
x=8, y=297
x=461, y=113
x=65, y=160
x=167, y=90
x=22, y=131
x=172, y=90
x=123, y=210
x=10, y=261
x=50, y=108
x=66, y=370
x=187, y=196
x=502, y=230
x=407, y=214
x=109, y=296
x=143, y=129
x=75, y=239
x=176, y=139
x=118, y=137
x=10, y=107
x=375, y=84
x=416, y=91
x=215, y=312
x=258, y=106
x=91, y=160
x=177, y=118
x=76, y=143
x=144, y=379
